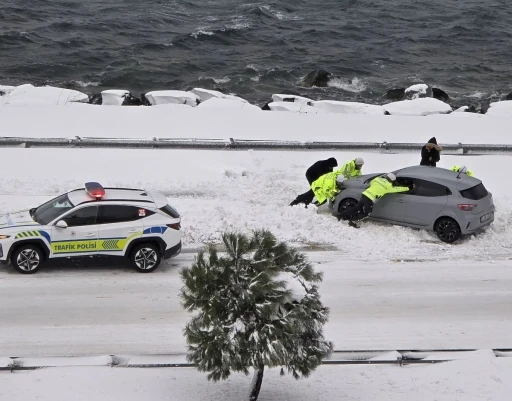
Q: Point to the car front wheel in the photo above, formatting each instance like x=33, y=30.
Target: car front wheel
x=145, y=258
x=27, y=259
x=447, y=230
x=346, y=204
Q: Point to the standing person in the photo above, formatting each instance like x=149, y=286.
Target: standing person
x=352, y=168
x=379, y=187
x=430, y=153
x=462, y=170
x=313, y=173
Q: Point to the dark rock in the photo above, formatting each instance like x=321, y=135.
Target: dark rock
x=265, y=106
x=387, y=113
x=130, y=100
x=2, y=93
x=440, y=94
x=95, y=99
x=396, y=94
x=144, y=100
x=484, y=105
x=509, y=96
x=470, y=109
x=319, y=78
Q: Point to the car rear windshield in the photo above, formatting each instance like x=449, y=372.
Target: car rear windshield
x=169, y=210
x=475, y=193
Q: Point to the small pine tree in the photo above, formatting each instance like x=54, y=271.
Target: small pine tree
x=257, y=305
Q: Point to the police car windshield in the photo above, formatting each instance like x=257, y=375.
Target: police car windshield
x=49, y=211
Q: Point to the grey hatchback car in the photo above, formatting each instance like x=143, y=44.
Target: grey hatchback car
x=445, y=202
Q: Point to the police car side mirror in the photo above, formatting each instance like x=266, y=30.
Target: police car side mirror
x=61, y=224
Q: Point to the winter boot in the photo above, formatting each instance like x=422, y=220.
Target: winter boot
x=353, y=224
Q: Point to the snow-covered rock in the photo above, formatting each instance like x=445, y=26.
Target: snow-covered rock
x=418, y=91
x=290, y=98
x=29, y=95
x=461, y=109
x=500, y=109
x=173, y=96
x=206, y=94
x=6, y=89
x=334, y=106
x=296, y=107
x=227, y=104
x=418, y=107
x=113, y=97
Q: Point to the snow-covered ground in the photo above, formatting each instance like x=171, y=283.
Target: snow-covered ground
x=478, y=377
x=220, y=190
x=168, y=121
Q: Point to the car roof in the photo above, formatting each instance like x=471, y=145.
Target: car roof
x=80, y=195
x=439, y=175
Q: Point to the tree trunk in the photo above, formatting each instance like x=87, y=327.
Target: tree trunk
x=256, y=381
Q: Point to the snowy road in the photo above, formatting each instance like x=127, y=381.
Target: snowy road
x=407, y=305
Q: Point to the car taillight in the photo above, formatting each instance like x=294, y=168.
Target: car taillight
x=466, y=206
x=174, y=226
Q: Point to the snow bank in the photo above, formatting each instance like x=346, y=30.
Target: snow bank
x=149, y=122
x=500, y=109
x=5, y=362
x=205, y=94
x=290, y=98
x=173, y=96
x=484, y=378
x=333, y=106
x=6, y=89
x=295, y=107
x=215, y=103
x=102, y=360
x=29, y=95
x=113, y=97
x=418, y=107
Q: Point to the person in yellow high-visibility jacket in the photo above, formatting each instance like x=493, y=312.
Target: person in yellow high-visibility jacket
x=378, y=188
x=352, y=168
x=327, y=187
x=463, y=170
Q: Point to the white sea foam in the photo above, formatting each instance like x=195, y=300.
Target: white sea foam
x=354, y=85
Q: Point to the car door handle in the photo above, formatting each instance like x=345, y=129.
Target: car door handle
x=133, y=231
x=401, y=200
x=90, y=234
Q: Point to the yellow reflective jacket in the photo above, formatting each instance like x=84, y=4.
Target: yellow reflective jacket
x=349, y=170
x=381, y=186
x=457, y=168
x=325, y=187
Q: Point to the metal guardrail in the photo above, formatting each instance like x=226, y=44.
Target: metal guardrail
x=245, y=144
x=362, y=357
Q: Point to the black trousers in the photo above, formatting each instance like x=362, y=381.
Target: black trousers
x=358, y=212
x=306, y=198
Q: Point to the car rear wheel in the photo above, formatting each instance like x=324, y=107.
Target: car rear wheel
x=145, y=257
x=27, y=259
x=346, y=204
x=447, y=230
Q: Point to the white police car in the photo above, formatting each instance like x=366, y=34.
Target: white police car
x=93, y=221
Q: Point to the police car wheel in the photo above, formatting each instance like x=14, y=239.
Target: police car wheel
x=27, y=259
x=145, y=258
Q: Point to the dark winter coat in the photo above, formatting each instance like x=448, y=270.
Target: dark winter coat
x=430, y=153
x=320, y=168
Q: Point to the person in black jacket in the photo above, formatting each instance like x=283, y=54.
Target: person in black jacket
x=430, y=153
x=313, y=173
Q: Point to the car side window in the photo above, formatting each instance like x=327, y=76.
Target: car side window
x=428, y=188
x=85, y=216
x=110, y=214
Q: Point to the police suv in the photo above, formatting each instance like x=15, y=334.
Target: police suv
x=93, y=221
